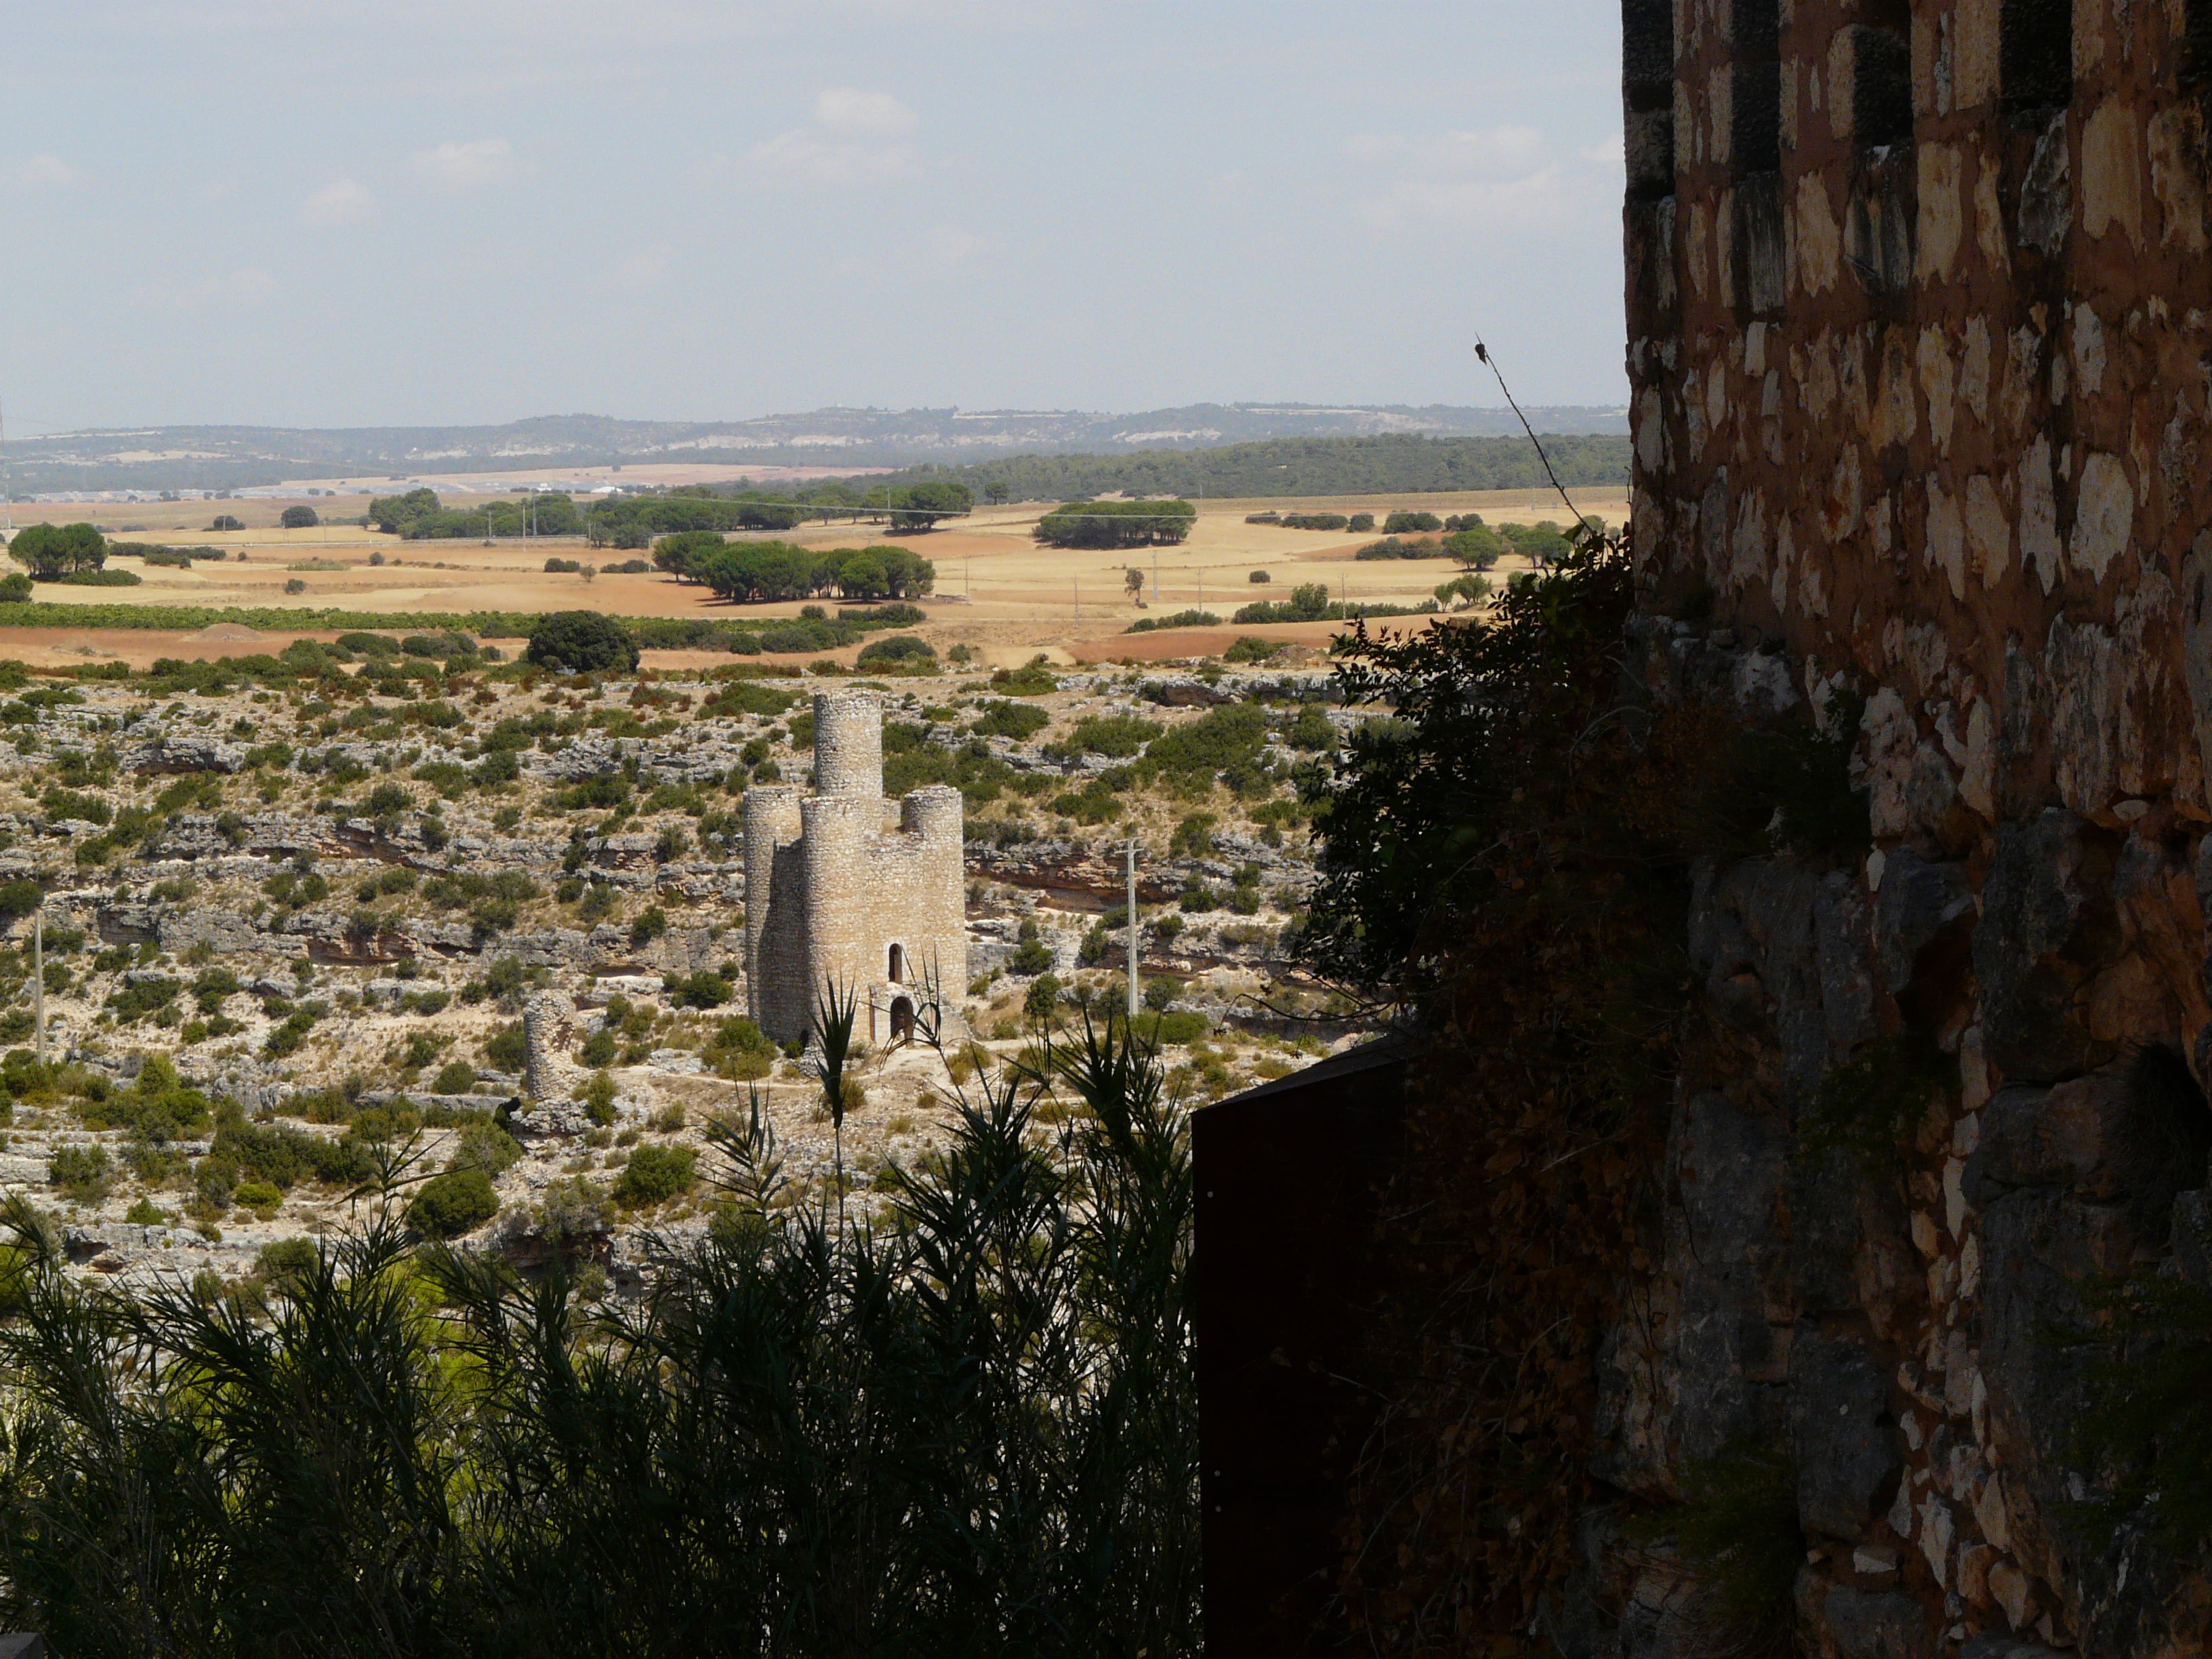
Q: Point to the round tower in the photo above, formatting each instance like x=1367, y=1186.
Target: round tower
x=848, y=745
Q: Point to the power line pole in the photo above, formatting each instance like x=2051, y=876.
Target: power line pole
x=1130, y=850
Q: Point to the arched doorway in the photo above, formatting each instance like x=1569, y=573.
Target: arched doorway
x=898, y=964
x=901, y=1019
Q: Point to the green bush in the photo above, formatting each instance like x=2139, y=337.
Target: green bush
x=506, y=1049
x=582, y=641
x=702, y=989
x=456, y=1077
x=82, y=1172
x=459, y=1201
x=1181, y=1028
x=654, y=1175
x=1000, y=718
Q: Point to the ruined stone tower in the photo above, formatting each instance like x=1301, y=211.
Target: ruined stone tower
x=835, y=893
x=1920, y=339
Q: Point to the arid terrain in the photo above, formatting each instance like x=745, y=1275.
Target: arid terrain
x=293, y=912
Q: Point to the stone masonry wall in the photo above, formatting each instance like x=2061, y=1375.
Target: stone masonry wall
x=1920, y=324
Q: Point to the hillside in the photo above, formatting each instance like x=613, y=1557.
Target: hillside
x=197, y=457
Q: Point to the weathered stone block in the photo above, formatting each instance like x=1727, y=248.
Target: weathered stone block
x=2047, y=923
x=1846, y=1450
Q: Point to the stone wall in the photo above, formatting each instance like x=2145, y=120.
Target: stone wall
x=1920, y=322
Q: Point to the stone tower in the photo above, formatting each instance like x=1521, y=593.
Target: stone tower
x=838, y=891
x=1919, y=301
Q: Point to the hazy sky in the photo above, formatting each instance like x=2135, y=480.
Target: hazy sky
x=352, y=212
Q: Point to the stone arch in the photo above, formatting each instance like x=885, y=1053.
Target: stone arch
x=902, y=1019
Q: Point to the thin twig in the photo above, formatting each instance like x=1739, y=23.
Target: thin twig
x=1482, y=354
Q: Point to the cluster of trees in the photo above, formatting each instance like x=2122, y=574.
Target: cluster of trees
x=1118, y=524
x=636, y=520
x=1357, y=523
x=300, y=518
x=1310, y=602
x=1392, y=464
x=761, y=572
x=51, y=551
x=420, y=516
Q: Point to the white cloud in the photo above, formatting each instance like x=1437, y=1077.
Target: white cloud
x=453, y=165
x=342, y=202
x=855, y=138
x=42, y=173
x=1505, y=180
x=241, y=289
x=849, y=113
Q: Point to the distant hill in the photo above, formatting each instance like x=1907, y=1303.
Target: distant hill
x=234, y=458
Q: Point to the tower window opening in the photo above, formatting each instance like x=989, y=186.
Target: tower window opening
x=898, y=965
x=2035, y=53
x=1757, y=127
x=1881, y=85
x=1647, y=76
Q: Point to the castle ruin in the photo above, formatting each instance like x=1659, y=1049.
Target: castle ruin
x=837, y=894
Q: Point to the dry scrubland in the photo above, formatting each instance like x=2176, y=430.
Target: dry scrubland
x=294, y=916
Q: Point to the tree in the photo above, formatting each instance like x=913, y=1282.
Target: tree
x=863, y=577
x=51, y=551
x=582, y=642
x=998, y=493
x=684, y=556
x=921, y=507
x=300, y=518
x=225, y=521
x=1118, y=524
x=14, y=588
x=1134, y=579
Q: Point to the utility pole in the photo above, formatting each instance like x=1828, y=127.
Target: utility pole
x=1130, y=851
x=39, y=978
x=1156, y=573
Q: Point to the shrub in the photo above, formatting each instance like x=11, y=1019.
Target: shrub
x=457, y=1078
x=1259, y=576
x=459, y=1201
x=506, y=1049
x=227, y=521
x=599, y=1098
x=300, y=518
x=903, y=654
x=82, y=1172
x=1411, y=523
x=656, y=1174
x=1361, y=523
x=1018, y=721
x=704, y=989
x=295, y=585
x=14, y=588
x=582, y=641
x=1181, y=1028
x=1042, y=997
x=100, y=579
